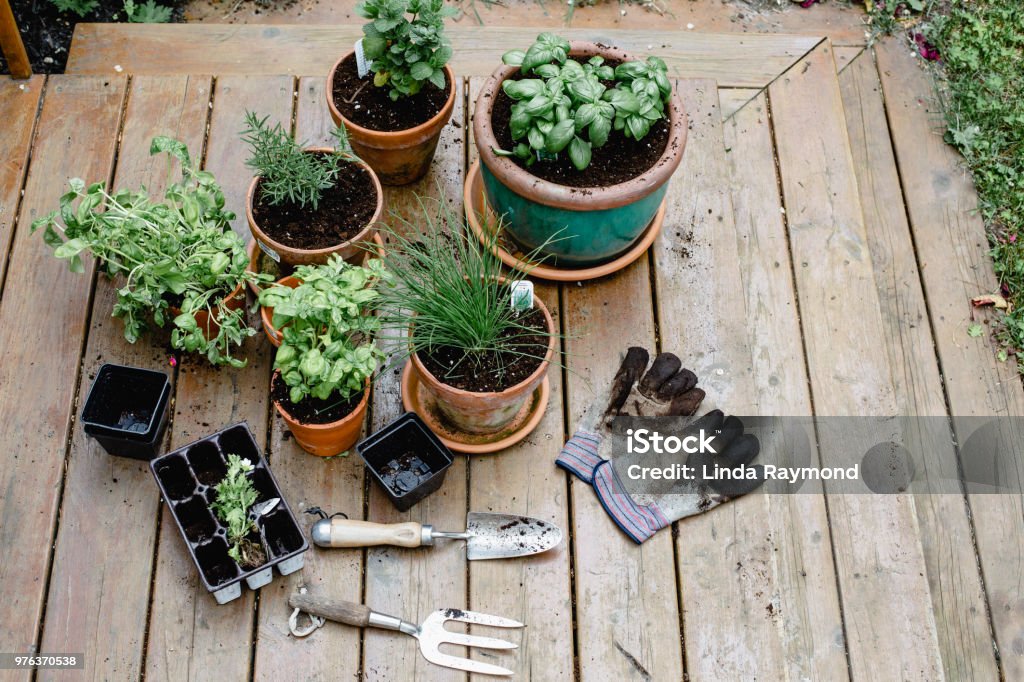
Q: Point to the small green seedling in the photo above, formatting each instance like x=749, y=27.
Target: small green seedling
x=235, y=497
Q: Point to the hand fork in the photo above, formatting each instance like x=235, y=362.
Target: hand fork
x=431, y=634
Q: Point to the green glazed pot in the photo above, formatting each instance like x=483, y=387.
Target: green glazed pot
x=581, y=226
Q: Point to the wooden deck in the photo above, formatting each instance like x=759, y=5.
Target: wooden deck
x=818, y=257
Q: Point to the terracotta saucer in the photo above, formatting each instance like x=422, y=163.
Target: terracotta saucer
x=416, y=399
x=256, y=255
x=511, y=255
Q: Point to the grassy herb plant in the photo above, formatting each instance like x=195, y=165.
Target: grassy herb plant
x=444, y=284
x=235, y=497
x=287, y=172
x=569, y=107
x=405, y=41
x=179, y=253
x=327, y=349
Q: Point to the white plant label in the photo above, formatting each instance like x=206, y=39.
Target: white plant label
x=269, y=251
x=522, y=295
x=362, y=63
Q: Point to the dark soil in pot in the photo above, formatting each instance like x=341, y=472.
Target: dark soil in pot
x=343, y=212
x=496, y=371
x=371, y=107
x=619, y=160
x=312, y=410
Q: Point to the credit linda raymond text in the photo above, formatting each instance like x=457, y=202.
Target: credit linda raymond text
x=862, y=455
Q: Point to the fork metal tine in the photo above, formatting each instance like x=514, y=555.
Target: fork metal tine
x=481, y=619
x=467, y=664
x=460, y=639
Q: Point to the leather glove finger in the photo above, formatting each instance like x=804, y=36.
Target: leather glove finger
x=664, y=368
x=628, y=374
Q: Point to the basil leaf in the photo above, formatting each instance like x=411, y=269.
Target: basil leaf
x=579, y=153
x=560, y=136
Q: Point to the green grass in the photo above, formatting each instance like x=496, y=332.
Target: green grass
x=980, y=79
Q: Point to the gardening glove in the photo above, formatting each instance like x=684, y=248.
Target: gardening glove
x=667, y=389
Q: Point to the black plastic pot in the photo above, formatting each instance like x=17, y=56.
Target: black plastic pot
x=126, y=411
x=406, y=459
x=187, y=478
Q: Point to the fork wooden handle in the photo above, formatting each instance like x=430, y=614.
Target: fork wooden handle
x=332, y=609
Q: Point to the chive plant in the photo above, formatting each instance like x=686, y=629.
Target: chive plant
x=445, y=287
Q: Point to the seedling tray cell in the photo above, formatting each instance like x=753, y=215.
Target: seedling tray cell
x=126, y=410
x=187, y=478
x=406, y=459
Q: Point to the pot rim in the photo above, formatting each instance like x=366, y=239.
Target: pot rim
x=260, y=235
x=360, y=407
x=265, y=315
x=516, y=388
x=235, y=294
x=336, y=114
x=552, y=194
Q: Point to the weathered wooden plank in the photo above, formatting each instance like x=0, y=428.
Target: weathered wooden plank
x=190, y=636
x=44, y=312
x=333, y=483
x=19, y=104
x=536, y=591
x=627, y=617
x=412, y=583
x=879, y=559
x=96, y=593
x=740, y=60
x=734, y=99
x=956, y=589
x=845, y=56
x=952, y=249
x=747, y=612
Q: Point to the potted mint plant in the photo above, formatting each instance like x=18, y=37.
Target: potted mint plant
x=395, y=92
x=308, y=203
x=327, y=352
x=177, y=261
x=577, y=140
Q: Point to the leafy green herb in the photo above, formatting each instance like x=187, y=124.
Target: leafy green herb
x=235, y=497
x=327, y=348
x=79, y=7
x=974, y=330
x=445, y=286
x=569, y=107
x=288, y=172
x=146, y=13
x=181, y=252
x=406, y=51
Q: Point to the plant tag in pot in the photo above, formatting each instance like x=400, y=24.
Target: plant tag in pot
x=362, y=63
x=522, y=295
x=269, y=251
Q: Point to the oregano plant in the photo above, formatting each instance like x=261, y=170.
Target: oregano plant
x=179, y=253
x=406, y=43
x=572, y=106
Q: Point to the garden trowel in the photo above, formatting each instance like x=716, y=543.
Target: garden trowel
x=487, y=536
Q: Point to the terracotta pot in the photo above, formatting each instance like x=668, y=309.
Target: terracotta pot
x=267, y=313
x=349, y=250
x=592, y=226
x=400, y=156
x=482, y=413
x=208, y=323
x=327, y=440
x=360, y=258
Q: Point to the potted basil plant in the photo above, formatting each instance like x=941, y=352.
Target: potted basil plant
x=395, y=110
x=578, y=139
x=327, y=352
x=177, y=261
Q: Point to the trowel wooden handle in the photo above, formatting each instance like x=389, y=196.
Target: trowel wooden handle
x=350, y=533
x=332, y=609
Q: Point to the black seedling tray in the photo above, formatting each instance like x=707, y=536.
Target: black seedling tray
x=126, y=411
x=406, y=459
x=187, y=478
